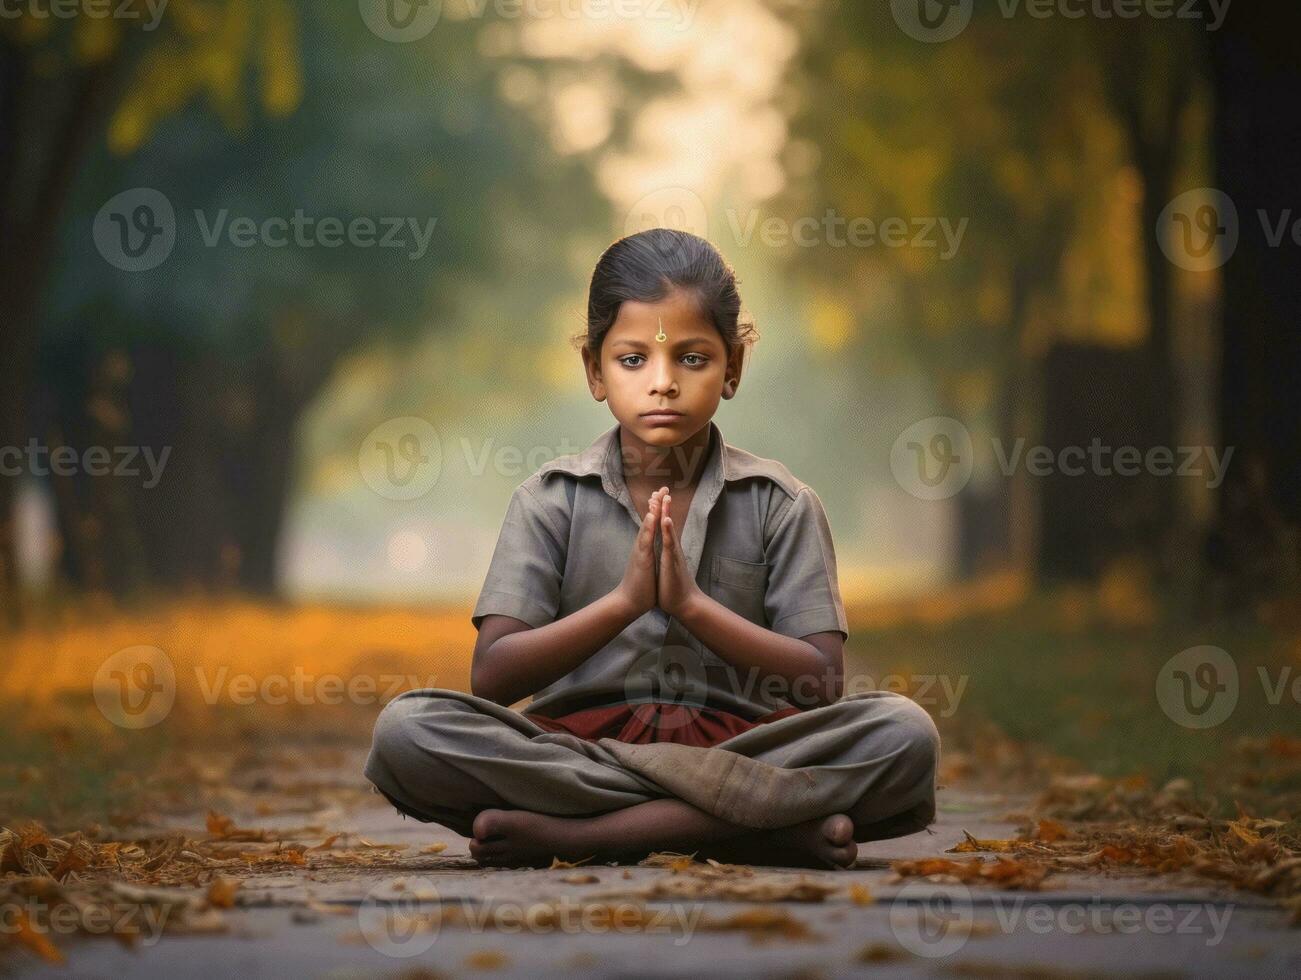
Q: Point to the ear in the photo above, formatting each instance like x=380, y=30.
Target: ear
x=732, y=375
x=592, y=368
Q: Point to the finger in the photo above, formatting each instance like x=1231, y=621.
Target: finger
x=670, y=537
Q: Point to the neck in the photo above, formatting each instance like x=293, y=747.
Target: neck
x=676, y=467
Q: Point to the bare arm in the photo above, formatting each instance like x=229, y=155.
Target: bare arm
x=811, y=667
x=513, y=660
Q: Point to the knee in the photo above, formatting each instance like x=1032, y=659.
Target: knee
x=417, y=720
x=917, y=738
x=392, y=731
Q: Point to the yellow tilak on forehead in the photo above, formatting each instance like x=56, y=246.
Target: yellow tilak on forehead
x=661, y=336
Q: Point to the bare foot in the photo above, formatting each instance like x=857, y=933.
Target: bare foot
x=824, y=842
x=520, y=838
x=517, y=838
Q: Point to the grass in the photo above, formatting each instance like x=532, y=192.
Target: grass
x=1076, y=674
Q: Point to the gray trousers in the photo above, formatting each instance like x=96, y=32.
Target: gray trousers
x=443, y=756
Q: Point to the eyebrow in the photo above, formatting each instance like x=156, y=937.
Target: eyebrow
x=686, y=342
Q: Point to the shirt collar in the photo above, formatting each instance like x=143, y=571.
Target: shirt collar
x=725, y=463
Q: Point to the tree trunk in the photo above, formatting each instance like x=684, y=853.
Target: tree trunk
x=1253, y=549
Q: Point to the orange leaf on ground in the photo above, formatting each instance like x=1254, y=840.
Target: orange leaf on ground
x=557, y=863
x=34, y=940
x=219, y=825
x=221, y=893
x=861, y=894
x=1049, y=831
x=976, y=844
x=1004, y=872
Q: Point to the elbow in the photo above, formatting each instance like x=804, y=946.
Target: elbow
x=830, y=660
x=485, y=684
x=485, y=680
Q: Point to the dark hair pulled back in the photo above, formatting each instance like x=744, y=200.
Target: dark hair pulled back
x=647, y=266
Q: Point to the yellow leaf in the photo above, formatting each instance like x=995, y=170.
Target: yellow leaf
x=975, y=844
x=860, y=894
x=557, y=863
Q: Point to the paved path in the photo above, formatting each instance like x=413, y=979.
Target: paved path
x=346, y=921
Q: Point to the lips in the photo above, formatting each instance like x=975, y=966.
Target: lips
x=662, y=417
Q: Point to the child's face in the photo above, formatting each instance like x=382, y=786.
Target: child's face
x=686, y=373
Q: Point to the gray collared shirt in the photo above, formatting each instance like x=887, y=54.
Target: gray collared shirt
x=756, y=539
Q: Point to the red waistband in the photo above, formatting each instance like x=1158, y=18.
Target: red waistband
x=656, y=722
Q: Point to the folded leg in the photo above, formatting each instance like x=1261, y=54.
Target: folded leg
x=443, y=756
x=872, y=756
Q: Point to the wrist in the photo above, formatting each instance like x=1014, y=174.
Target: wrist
x=689, y=607
x=624, y=604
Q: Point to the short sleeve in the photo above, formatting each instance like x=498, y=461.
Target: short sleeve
x=803, y=593
x=527, y=566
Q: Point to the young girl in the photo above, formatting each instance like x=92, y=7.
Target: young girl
x=671, y=604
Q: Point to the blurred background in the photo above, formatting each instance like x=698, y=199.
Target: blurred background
x=288, y=293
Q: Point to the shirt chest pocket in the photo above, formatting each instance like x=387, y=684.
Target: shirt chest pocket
x=740, y=585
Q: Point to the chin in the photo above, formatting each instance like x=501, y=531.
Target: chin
x=664, y=435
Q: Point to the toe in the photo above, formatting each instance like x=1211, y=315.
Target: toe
x=489, y=824
x=838, y=830
x=845, y=856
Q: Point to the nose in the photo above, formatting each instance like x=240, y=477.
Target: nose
x=662, y=380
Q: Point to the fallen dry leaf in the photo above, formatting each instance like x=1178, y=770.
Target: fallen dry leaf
x=487, y=959
x=762, y=923
x=1003, y=872
x=222, y=891
x=558, y=863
